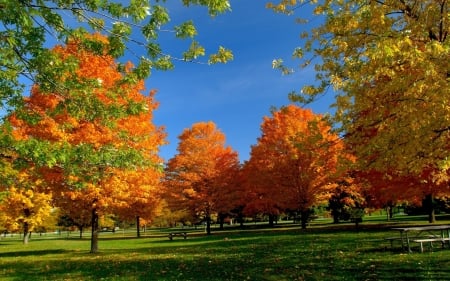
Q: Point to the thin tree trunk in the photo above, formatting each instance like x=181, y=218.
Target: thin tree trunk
x=221, y=221
x=94, y=231
x=26, y=233
x=271, y=219
x=208, y=224
x=138, y=227
x=429, y=199
x=81, y=231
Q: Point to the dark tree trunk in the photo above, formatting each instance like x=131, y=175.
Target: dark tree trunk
x=208, y=224
x=81, y=231
x=304, y=218
x=221, y=221
x=241, y=220
x=335, y=217
x=391, y=212
x=138, y=227
x=94, y=231
x=429, y=203
x=271, y=220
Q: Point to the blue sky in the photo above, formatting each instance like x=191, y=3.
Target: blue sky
x=236, y=95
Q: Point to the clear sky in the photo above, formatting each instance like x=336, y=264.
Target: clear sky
x=236, y=95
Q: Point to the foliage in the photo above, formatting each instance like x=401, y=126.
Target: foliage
x=24, y=210
x=201, y=177
x=106, y=157
x=345, y=199
x=30, y=27
x=294, y=164
x=388, y=64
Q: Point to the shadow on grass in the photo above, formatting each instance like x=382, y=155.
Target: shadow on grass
x=33, y=253
x=316, y=254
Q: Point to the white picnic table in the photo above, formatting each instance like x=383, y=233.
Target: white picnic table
x=423, y=234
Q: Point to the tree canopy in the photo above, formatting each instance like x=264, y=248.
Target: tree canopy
x=294, y=164
x=106, y=149
x=202, y=176
x=388, y=63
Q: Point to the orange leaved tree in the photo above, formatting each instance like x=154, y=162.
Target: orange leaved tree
x=201, y=177
x=99, y=133
x=293, y=165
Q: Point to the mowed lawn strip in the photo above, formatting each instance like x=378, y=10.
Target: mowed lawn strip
x=283, y=254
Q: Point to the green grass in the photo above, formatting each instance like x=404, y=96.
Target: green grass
x=322, y=252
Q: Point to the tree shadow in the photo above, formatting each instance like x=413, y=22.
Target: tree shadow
x=32, y=253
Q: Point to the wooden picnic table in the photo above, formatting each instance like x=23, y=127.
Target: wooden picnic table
x=423, y=234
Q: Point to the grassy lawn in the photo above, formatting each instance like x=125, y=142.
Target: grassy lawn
x=322, y=252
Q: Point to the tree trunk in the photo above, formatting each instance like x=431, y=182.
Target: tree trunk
x=241, y=220
x=271, y=219
x=81, y=231
x=335, y=217
x=221, y=221
x=94, y=231
x=138, y=227
x=26, y=233
x=304, y=218
x=208, y=224
x=429, y=202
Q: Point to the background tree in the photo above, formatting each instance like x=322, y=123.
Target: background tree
x=345, y=200
x=200, y=175
x=108, y=134
x=24, y=209
x=293, y=164
x=388, y=63
x=25, y=202
x=142, y=201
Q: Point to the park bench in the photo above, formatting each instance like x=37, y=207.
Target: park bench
x=173, y=234
x=430, y=241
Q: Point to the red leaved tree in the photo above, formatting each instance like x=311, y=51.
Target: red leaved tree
x=293, y=166
x=201, y=177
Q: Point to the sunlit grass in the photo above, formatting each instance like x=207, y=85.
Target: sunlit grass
x=322, y=252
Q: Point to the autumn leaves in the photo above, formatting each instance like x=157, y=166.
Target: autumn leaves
x=105, y=156
x=106, y=147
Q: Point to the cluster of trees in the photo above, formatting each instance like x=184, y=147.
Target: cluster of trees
x=83, y=141
x=388, y=64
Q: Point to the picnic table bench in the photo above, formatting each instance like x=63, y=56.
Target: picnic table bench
x=430, y=241
x=423, y=234
x=173, y=234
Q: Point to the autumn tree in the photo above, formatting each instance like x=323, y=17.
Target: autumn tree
x=25, y=202
x=31, y=27
x=106, y=147
x=388, y=62
x=142, y=200
x=200, y=177
x=347, y=200
x=293, y=165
